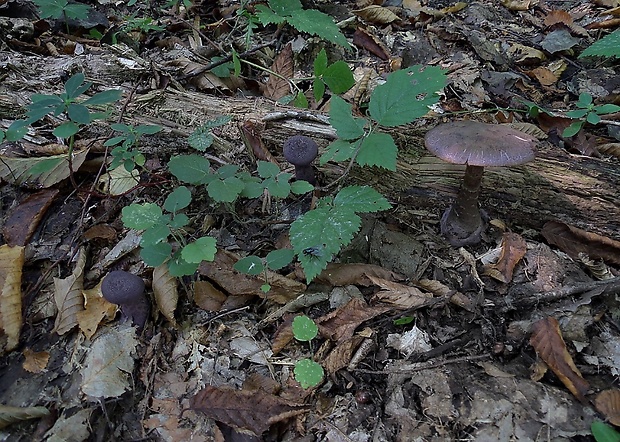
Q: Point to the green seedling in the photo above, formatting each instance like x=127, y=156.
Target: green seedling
x=62, y=8
x=587, y=112
x=275, y=260
x=305, y=20
x=307, y=372
x=125, y=153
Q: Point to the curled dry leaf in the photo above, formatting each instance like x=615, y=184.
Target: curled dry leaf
x=340, y=324
x=9, y=415
x=607, y=402
x=277, y=86
x=530, y=129
x=549, y=345
x=11, y=263
x=399, y=295
x=376, y=14
x=24, y=219
x=340, y=275
x=512, y=251
x=363, y=39
x=340, y=356
x=165, y=291
x=252, y=139
x=208, y=297
x=35, y=361
x=68, y=296
x=572, y=241
x=438, y=289
x=96, y=308
x=253, y=411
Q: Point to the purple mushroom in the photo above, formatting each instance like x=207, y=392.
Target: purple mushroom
x=127, y=290
x=301, y=151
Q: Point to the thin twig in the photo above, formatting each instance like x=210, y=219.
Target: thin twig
x=409, y=368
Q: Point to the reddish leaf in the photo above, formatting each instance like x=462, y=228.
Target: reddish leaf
x=346, y=274
x=253, y=141
x=340, y=324
x=24, y=219
x=277, y=86
x=513, y=249
x=548, y=342
x=573, y=241
x=255, y=410
x=372, y=44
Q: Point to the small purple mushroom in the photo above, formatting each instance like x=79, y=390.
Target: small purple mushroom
x=301, y=151
x=127, y=290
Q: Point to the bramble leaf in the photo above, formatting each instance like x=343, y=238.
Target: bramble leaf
x=276, y=259
x=378, y=149
x=340, y=117
x=308, y=373
x=338, y=77
x=304, y=328
x=250, y=265
x=608, y=46
x=361, y=199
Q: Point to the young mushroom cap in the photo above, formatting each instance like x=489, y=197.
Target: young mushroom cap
x=477, y=145
x=127, y=290
x=301, y=151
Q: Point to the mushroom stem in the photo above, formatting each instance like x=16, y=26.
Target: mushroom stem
x=462, y=223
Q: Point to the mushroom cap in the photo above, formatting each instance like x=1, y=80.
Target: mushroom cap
x=480, y=144
x=120, y=287
x=300, y=150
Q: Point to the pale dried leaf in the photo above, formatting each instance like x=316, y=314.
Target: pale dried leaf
x=35, y=361
x=118, y=181
x=96, y=308
x=68, y=296
x=400, y=295
x=611, y=149
x=513, y=249
x=340, y=356
x=337, y=274
x=208, y=297
x=9, y=415
x=165, y=291
x=607, y=402
x=108, y=363
x=549, y=345
x=376, y=14
x=530, y=129
x=11, y=263
x=277, y=86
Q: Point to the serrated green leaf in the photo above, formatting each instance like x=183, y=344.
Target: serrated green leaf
x=300, y=187
x=338, y=77
x=50, y=8
x=608, y=46
x=277, y=259
x=285, y=7
x=78, y=113
x=278, y=188
x=304, y=328
x=192, y=169
x=266, y=16
x=317, y=23
x=361, y=199
x=267, y=169
x=141, y=216
x=227, y=171
x=66, y=130
x=320, y=63
x=156, y=254
x=250, y=265
x=378, y=149
x=339, y=150
x=252, y=189
x=340, y=117
x=76, y=11
x=406, y=95
x=104, y=97
x=178, y=199
x=155, y=234
x=203, y=249
x=225, y=191
x=308, y=373
x=222, y=120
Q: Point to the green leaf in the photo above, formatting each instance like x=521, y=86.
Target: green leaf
x=404, y=320
x=147, y=129
x=361, y=199
x=317, y=23
x=577, y=113
x=250, y=265
x=104, y=97
x=192, y=169
x=78, y=113
x=266, y=16
x=278, y=188
x=406, y=95
x=603, y=432
x=203, y=249
x=308, y=373
x=592, y=118
x=226, y=190
x=277, y=259
x=155, y=234
x=179, y=267
x=178, y=199
x=16, y=130
x=318, y=89
x=74, y=85
x=156, y=254
x=66, y=130
x=252, y=189
x=584, y=100
x=222, y=120
x=338, y=77
x=267, y=169
x=285, y=7
x=77, y=11
x=51, y=8
x=141, y=216
x=300, y=100
x=236, y=63
x=339, y=150
x=300, y=187
x=114, y=141
x=304, y=328
x=606, y=109
x=608, y=46
x=180, y=220
x=572, y=129
x=320, y=63
x=200, y=139
x=340, y=117
x=378, y=149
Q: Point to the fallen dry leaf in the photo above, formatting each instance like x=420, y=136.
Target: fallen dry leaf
x=363, y=39
x=24, y=219
x=165, y=291
x=11, y=263
x=251, y=136
x=100, y=231
x=68, y=296
x=441, y=290
x=549, y=345
x=340, y=356
x=96, y=308
x=208, y=297
x=9, y=415
x=607, y=403
x=376, y=14
x=572, y=241
x=35, y=361
x=340, y=275
x=399, y=295
x=340, y=324
x=277, y=86
x=254, y=411
x=513, y=249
